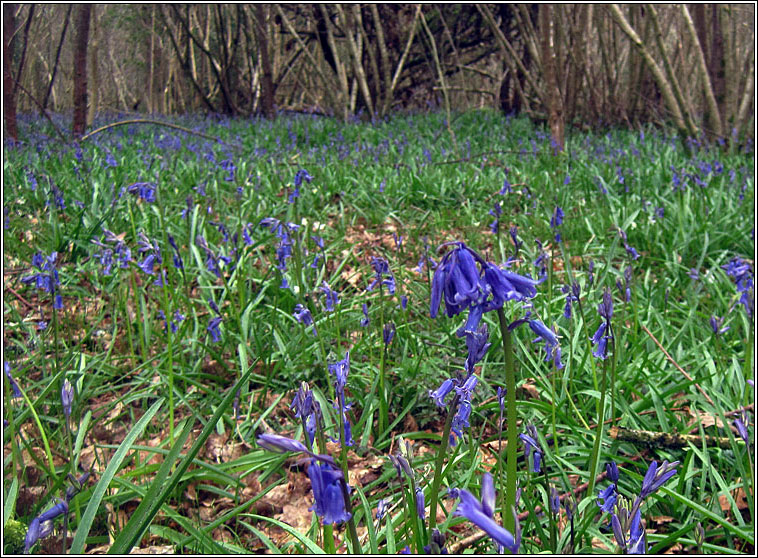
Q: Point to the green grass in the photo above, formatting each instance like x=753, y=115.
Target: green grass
x=369, y=181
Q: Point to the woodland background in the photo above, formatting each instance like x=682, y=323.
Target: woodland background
x=691, y=66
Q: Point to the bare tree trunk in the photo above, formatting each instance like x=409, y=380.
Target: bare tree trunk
x=57, y=59
x=9, y=99
x=660, y=79
x=291, y=29
x=94, y=83
x=686, y=112
x=716, y=64
x=267, y=81
x=80, y=70
x=512, y=59
x=554, y=100
x=714, y=119
x=443, y=82
x=20, y=69
x=338, y=65
x=350, y=27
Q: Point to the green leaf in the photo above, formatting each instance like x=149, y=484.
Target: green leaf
x=310, y=545
x=77, y=547
x=160, y=491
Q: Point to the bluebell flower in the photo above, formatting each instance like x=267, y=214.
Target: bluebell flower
x=590, y=271
x=477, y=346
x=41, y=526
x=147, y=264
x=381, y=508
x=382, y=275
x=15, y=391
x=463, y=286
x=716, y=325
x=67, y=397
x=555, y=501
x=388, y=333
x=329, y=503
x=604, y=333
x=143, y=190
x=540, y=263
x=439, y=395
x=607, y=497
x=46, y=278
x=532, y=444
x=178, y=263
x=365, y=320
x=301, y=175
x=572, y=295
x=340, y=370
x=471, y=508
x=742, y=274
x=657, y=477
x=214, y=330
x=420, y=511
x=302, y=403
x=496, y=212
x=460, y=420
x=303, y=315
x=514, y=237
x=488, y=495
x=280, y=444
x=552, y=348
x=631, y=251
x=555, y=221
x=331, y=298
x=600, y=339
x=741, y=425
x=506, y=189
x=612, y=471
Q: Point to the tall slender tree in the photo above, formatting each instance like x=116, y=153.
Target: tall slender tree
x=9, y=97
x=80, y=70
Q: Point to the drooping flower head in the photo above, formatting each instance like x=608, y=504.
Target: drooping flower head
x=604, y=333
x=532, y=444
x=467, y=282
x=67, y=397
x=477, y=513
x=15, y=391
x=552, y=348
x=46, y=277
x=328, y=501
x=382, y=275
x=477, y=346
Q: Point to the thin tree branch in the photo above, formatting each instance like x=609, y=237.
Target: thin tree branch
x=672, y=361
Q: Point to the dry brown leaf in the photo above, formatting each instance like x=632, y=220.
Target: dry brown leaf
x=529, y=389
x=154, y=549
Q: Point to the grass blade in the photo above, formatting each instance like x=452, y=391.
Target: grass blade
x=77, y=547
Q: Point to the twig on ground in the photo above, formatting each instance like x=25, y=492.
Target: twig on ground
x=664, y=439
x=672, y=361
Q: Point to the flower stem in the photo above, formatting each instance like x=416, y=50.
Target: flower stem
x=595, y=457
x=433, y=497
x=350, y=522
x=511, y=418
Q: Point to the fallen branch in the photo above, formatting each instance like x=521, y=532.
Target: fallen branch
x=651, y=439
x=157, y=123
